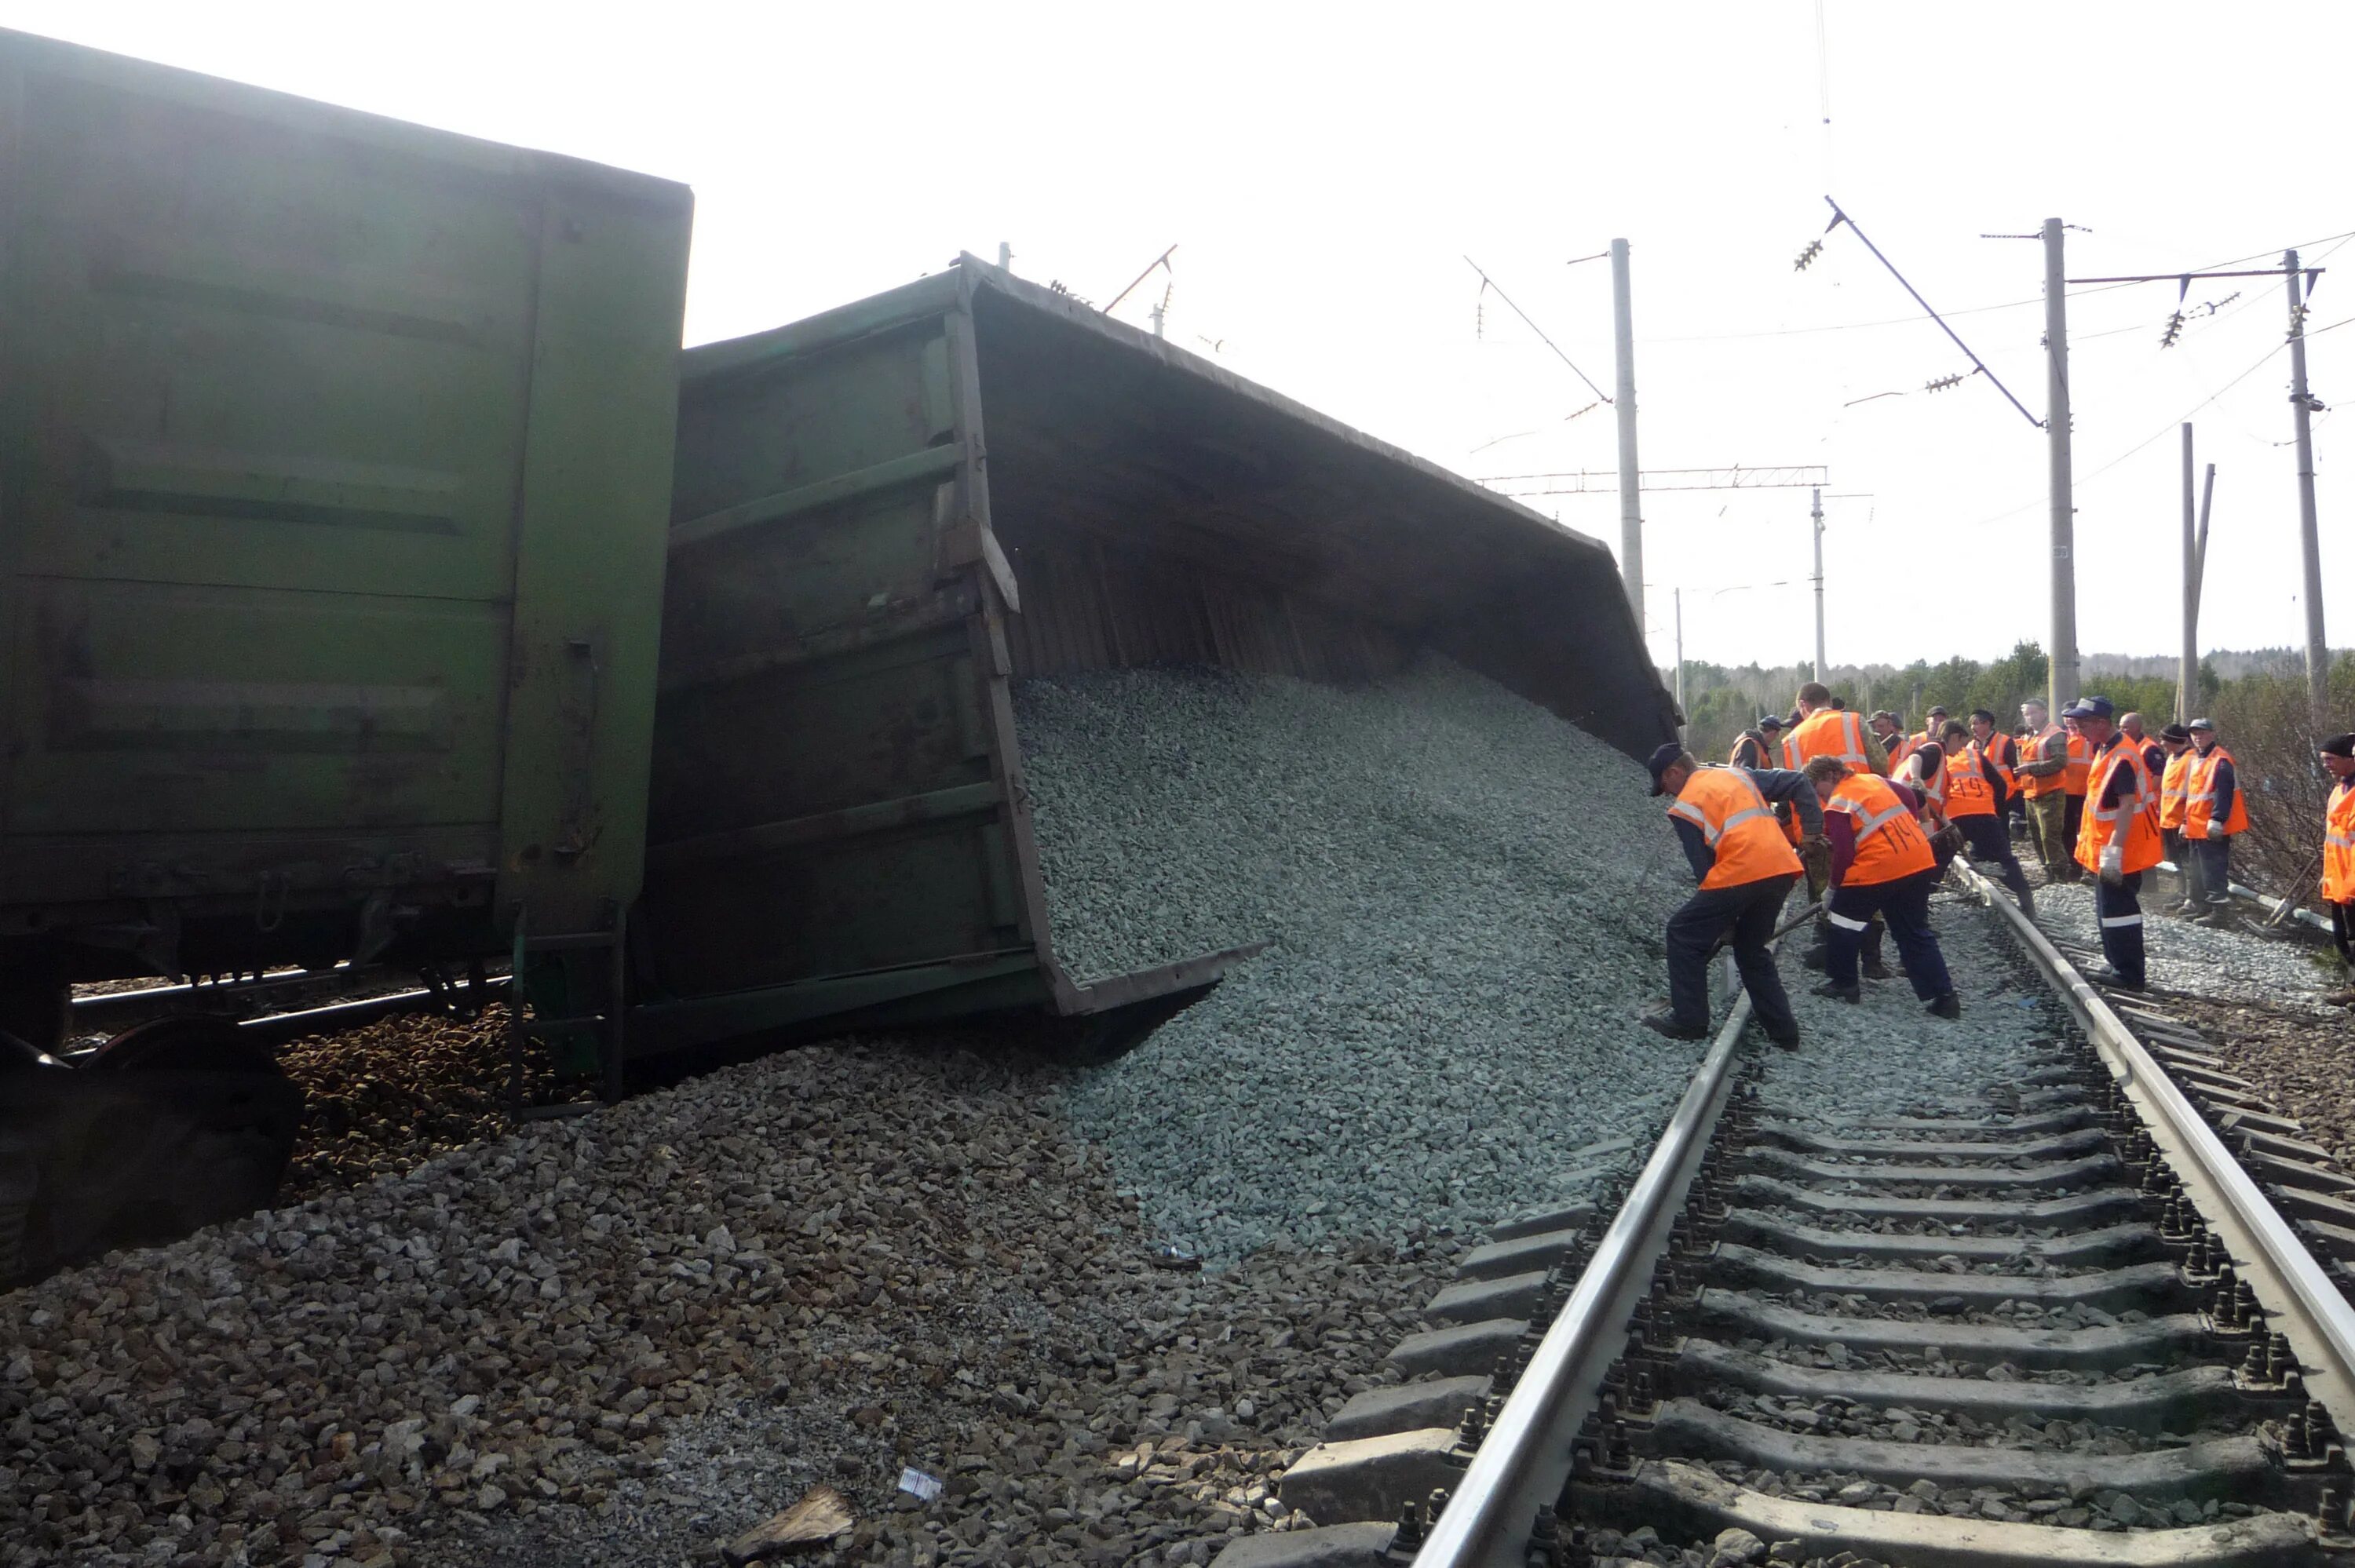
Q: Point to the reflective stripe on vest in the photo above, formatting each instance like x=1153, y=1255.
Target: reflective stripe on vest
x=2134, y=821
x=2338, y=846
x=2175, y=783
x=2034, y=785
x=1737, y=825
x=2200, y=796
x=1969, y=791
x=1847, y=744
x=1889, y=845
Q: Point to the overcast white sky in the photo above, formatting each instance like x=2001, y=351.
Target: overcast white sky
x=1325, y=170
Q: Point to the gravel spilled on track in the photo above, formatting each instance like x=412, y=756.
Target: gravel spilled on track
x=1464, y=935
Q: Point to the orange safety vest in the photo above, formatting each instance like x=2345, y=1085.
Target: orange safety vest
x=1826, y=732
x=2080, y=765
x=1888, y=841
x=1932, y=786
x=2035, y=785
x=1900, y=750
x=2003, y=752
x=2138, y=812
x=2200, y=796
x=2338, y=845
x=1736, y=822
x=1970, y=792
x=2174, y=784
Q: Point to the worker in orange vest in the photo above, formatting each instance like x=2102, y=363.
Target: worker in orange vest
x=1933, y=724
x=1975, y=800
x=2043, y=768
x=2215, y=812
x=2073, y=779
x=2119, y=840
x=1759, y=746
x=2174, y=784
x=1881, y=864
x=1825, y=730
x=2003, y=752
x=1889, y=731
x=1724, y=818
x=2154, y=756
x=2338, y=854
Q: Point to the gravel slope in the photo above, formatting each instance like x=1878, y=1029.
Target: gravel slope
x=1450, y=878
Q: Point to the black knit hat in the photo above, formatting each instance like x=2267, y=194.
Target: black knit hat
x=2339, y=746
x=2175, y=732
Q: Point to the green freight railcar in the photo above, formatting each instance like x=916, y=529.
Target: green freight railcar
x=335, y=461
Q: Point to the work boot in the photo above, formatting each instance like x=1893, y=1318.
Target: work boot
x=1946, y=1006
x=2027, y=903
x=1813, y=958
x=1839, y=992
x=1666, y=1023
x=2214, y=915
x=2116, y=982
x=1873, y=968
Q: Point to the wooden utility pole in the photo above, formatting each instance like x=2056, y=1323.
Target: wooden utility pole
x=2061, y=666
x=1631, y=485
x=2301, y=403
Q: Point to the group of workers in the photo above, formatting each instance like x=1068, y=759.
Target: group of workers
x=1870, y=816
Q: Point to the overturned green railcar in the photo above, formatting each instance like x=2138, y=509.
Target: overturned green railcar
x=884, y=514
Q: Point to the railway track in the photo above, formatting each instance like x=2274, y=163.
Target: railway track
x=2092, y=1311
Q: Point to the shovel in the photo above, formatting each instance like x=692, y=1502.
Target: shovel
x=2288, y=904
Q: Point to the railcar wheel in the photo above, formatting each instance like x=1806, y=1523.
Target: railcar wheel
x=222, y=1147
x=187, y=1044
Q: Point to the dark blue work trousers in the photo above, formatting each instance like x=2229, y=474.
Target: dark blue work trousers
x=2118, y=906
x=1990, y=845
x=1904, y=904
x=1748, y=911
x=2214, y=857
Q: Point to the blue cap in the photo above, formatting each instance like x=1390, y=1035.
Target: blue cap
x=2089, y=707
x=1664, y=757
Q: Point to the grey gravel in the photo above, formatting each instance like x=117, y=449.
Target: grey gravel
x=1455, y=883
x=2226, y=962
x=1885, y=1056
x=621, y=1340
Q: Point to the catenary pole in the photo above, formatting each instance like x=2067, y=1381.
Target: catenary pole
x=2318, y=652
x=1631, y=484
x=1681, y=721
x=2187, y=681
x=1816, y=514
x=2062, y=668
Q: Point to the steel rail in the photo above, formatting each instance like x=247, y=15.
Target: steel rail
x=2264, y=901
x=2298, y=1296
x=1524, y=1462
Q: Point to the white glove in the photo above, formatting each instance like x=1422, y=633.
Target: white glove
x=2113, y=864
x=2216, y=830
